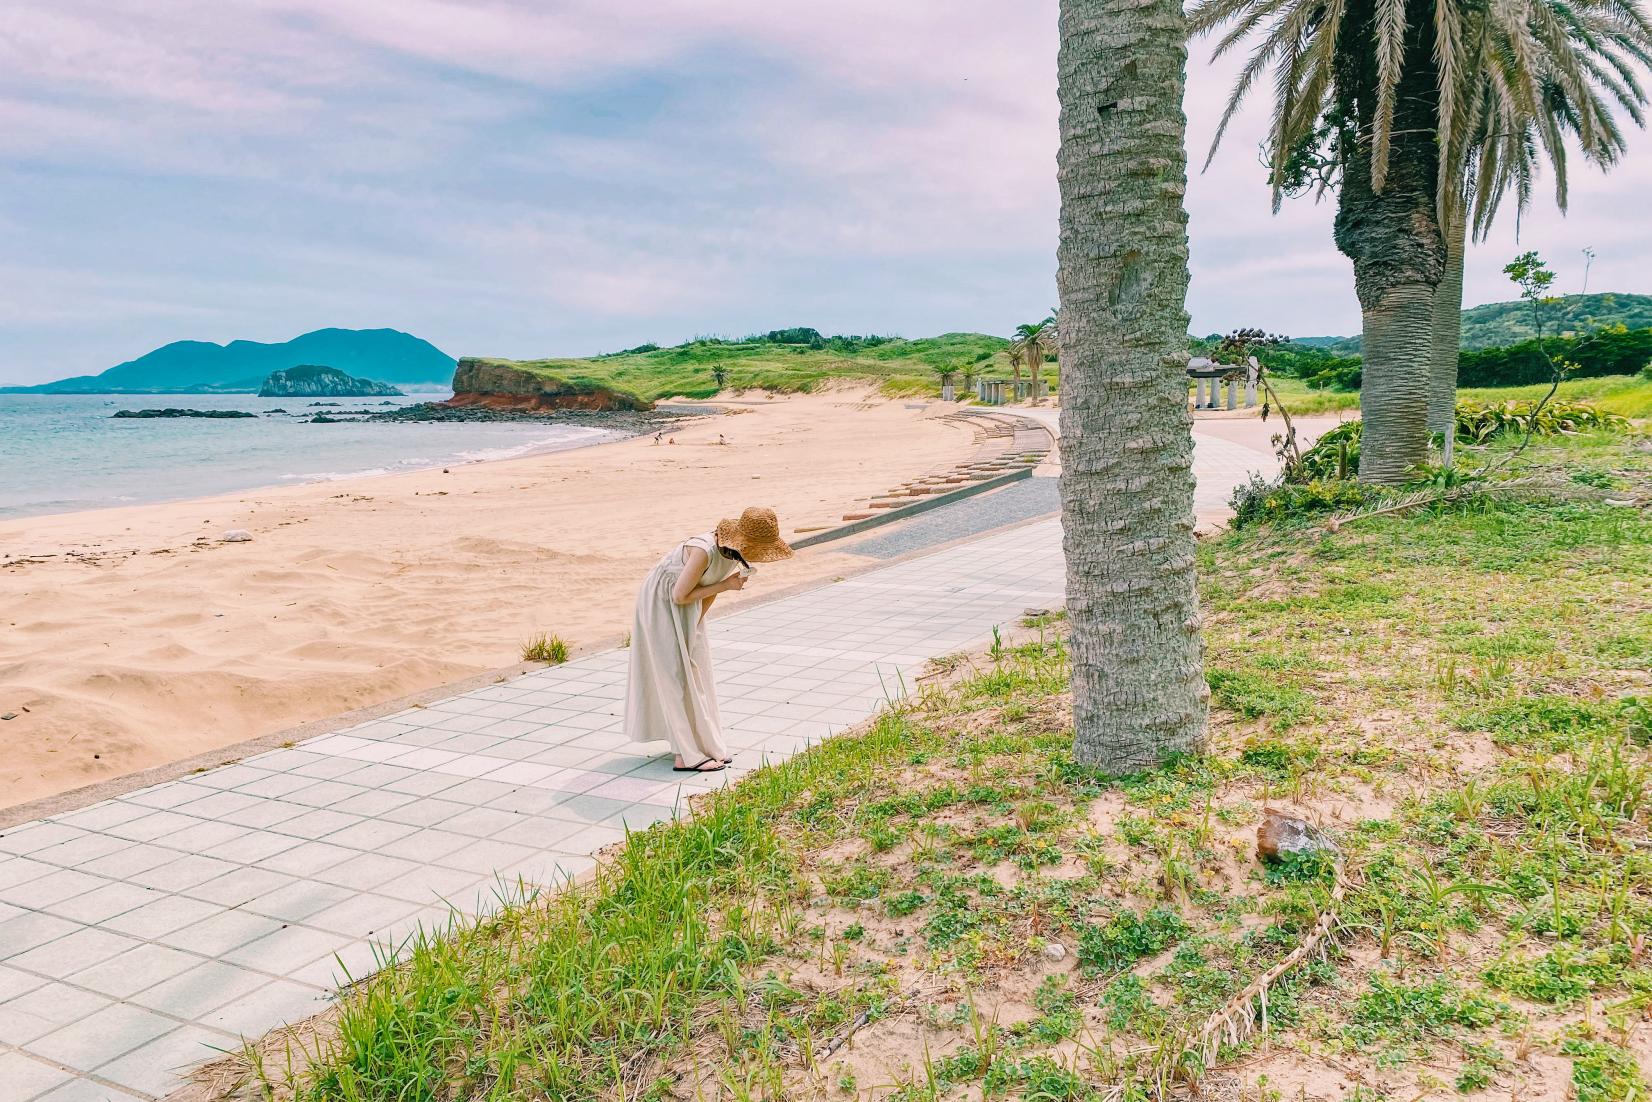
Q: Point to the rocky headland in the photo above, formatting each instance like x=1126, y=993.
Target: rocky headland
x=320, y=381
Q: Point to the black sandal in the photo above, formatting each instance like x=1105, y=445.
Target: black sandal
x=721, y=765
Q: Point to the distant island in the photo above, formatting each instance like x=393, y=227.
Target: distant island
x=320, y=381
x=241, y=367
x=1501, y=323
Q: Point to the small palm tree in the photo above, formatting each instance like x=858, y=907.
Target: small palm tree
x=1033, y=341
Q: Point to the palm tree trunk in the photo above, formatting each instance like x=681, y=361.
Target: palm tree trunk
x=1393, y=237
x=1139, y=692
x=1394, y=387
x=1448, y=329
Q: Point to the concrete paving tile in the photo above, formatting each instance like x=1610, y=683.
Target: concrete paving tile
x=102, y=815
x=183, y=873
x=123, y=864
x=21, y=870
x=426, y=845
x=486, y=856
x=251, y=847
x=102, y=1036
x=162, y=915
x=32, y=929
x=375, y=802
x=363, y=915
x=85, y=1090
x=159, y=1067
x=296, y=901
x=265, y=813
x=285, y=949
x=52, y=888
x=191, y=995
x=33, y=837
x=14, y=983
x=238, y=886
x=85, y=946
x=218, y=806
x=308, y=858
x=430, y=885
x=27, y=1078
x=479, y=822
x=278, y=1002
x=101, y=904
x=318, y=823
x=368, y=870
x=134, y=970
x=47, y=1008
x=422, y=784
x=227, y=930
x=369, y=834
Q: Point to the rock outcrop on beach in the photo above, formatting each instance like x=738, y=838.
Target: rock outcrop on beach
x=174, y=412
x=320, y=381
x=497, y=384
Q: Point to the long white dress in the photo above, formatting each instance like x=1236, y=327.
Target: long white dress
x=670, y=694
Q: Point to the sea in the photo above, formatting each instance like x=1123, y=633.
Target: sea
x=65, y=452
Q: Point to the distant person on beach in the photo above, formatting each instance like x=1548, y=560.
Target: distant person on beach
x=670, y=694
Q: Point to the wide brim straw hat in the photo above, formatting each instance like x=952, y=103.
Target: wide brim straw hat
x=756, y=535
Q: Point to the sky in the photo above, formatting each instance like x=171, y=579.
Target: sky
x=530, y=178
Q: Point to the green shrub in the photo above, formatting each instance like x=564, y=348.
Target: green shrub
x=1478, y=423
x=1128, y=937
x=1261, y=500
x=1612, y=351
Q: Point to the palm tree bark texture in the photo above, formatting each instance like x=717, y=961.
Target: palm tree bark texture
x=1139, y=692
x=1390, y=229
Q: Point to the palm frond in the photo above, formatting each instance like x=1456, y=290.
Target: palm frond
x=1390, y=48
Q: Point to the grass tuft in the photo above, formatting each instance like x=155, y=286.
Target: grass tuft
x=545, y=648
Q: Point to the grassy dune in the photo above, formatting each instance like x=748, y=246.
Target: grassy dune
x=1627, y=395
x=900, y=367
x=1452, y=694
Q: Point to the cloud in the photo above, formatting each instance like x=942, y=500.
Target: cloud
x=529, y=178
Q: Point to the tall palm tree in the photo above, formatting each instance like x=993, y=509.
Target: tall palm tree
x=1034, y=341
x=1127, y=450
x=1426, y=100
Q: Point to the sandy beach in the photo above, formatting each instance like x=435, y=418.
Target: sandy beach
x=134, y=637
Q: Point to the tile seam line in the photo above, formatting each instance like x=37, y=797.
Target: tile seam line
x=114, y=787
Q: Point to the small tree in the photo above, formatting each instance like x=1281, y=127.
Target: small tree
x=719, y=375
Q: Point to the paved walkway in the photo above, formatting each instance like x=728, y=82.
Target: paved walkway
x=141, y=935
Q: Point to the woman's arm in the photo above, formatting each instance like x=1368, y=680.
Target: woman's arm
x=687, y=590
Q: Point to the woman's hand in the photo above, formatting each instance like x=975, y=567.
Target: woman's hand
x=734, y=582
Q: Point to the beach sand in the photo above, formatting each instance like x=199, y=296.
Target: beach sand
x=134, y=637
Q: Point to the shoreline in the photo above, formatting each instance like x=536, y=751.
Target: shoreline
x=135, y=636
x=602, y=427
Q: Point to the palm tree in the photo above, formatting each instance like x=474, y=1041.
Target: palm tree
x=1495, y=132
x=1034, y=342
x=1139, y=691
x=1423, y=100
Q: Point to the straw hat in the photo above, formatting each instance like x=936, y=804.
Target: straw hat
x=756, y=535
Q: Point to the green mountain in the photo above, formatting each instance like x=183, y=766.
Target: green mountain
x=1502, y=323
x=242, y=366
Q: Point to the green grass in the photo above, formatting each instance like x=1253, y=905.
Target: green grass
x=1626, y=395
x=1462, y=686
x=545, y=648
x=899, y=367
